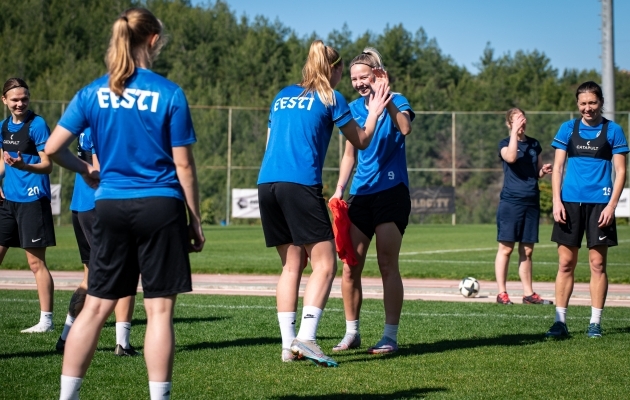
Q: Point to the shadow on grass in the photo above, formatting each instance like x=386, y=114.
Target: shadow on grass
x=402, y=394
x=449, y=345
x=230, y=343
x=187, y=320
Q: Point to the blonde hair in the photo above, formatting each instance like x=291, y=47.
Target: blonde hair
x=510, y=113
x=129, y=45
x=370, y=57
x=318, y=69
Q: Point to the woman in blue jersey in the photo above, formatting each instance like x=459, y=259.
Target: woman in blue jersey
x=518, y=214
x=143, y=134
x=379, y=203
x=584, y=201
x=293, y=211
x=25, y=214
x=83, y=215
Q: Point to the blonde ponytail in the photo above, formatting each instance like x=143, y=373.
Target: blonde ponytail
x=318, y=69
x=370, y=57
x=129, y=45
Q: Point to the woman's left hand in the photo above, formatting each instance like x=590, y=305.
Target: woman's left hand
x=606, y=217
x=15, y=162
x=546, y=169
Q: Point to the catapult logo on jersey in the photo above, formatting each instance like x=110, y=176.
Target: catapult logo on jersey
x=291, y=102
x=588, y=147
x=130, y=98
x=11, y=141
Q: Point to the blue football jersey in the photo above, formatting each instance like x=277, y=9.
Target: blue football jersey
x=23, y=186
x=589, y=179
x=133, y=135
x=383, y=164
x=300, y=130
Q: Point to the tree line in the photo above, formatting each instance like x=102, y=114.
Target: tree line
x=221, y=59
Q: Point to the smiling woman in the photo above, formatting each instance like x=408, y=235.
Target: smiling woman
x=25, y=214
x=584, y=201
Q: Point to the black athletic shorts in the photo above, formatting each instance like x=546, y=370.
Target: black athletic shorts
x=371, y=210
x=146, y=236
x=27, y=225
x=293, y=214
x=82, y=223
x=580, y=218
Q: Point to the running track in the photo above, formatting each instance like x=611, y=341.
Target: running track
x=264, y=285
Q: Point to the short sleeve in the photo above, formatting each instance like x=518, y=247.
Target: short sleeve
x=503, y=143
x=561, y=140
x=181, y=126
x=39, y=133
x=402, y=104
x=619, y=142
x=74, y=119
x=341, y=114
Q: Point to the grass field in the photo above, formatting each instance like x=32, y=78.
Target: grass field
x=229, y=348
x=428, y=251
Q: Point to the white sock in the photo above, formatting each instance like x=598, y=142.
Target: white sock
x=391, y=331
x=70, y=387
x=67, y=326
x=123, y=329
x=596, y=315
x=287, y=328
x=160, y=390
x=352, y=326
x=561, y=315
x=45, y=318
x=310, y=319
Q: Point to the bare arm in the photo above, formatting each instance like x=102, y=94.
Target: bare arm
x=1, y=173
x=43, y=167
x=401, y=119
x=619, y=163
x=187, y=176
x=345, y=169
x=559, y=213
x=57, y=150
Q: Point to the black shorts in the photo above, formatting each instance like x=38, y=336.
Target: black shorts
x=580, y=218
x=82, y=223
x=293, y=214
x=27, y=225
x=371, y=210
x=517, y=222
x=146, y=236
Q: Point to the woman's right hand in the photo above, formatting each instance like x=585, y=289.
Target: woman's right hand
x=92, y=176
x=518, y=123
x=559, y=213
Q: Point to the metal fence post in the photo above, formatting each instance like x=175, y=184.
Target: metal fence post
x=63, y=108
x=453, y=160
x=229, y=168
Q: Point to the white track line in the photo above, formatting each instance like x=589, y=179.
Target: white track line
x=339, y=310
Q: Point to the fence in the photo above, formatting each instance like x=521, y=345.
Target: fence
x=457, y=149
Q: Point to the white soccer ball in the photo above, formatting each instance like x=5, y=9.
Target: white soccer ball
x=469, y=287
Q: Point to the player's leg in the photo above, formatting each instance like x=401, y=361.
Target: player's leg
x=525, y=251
x=567, y=261
x=501, y=264
x=36, y=258
x=388, y=242
x=82, y=341
x=124, y=313
x=352, y=291
x=294, y=261
x=74, y=308
x=598, y=286
x=159, y=340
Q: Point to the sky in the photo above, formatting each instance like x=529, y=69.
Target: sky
x=568, y=32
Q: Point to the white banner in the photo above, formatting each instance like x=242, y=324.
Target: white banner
x=245, y=203
x=623, y=207
x=55, y=198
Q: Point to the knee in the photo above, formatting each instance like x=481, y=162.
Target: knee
x=388, y=267
x=566, y=266
x=526, y=253
x=597, y=268
x=37, y=265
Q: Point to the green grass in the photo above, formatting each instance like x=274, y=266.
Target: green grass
x=428, y=251
x=229, y=348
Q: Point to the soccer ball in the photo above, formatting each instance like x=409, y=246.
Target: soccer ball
x=469, y=287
